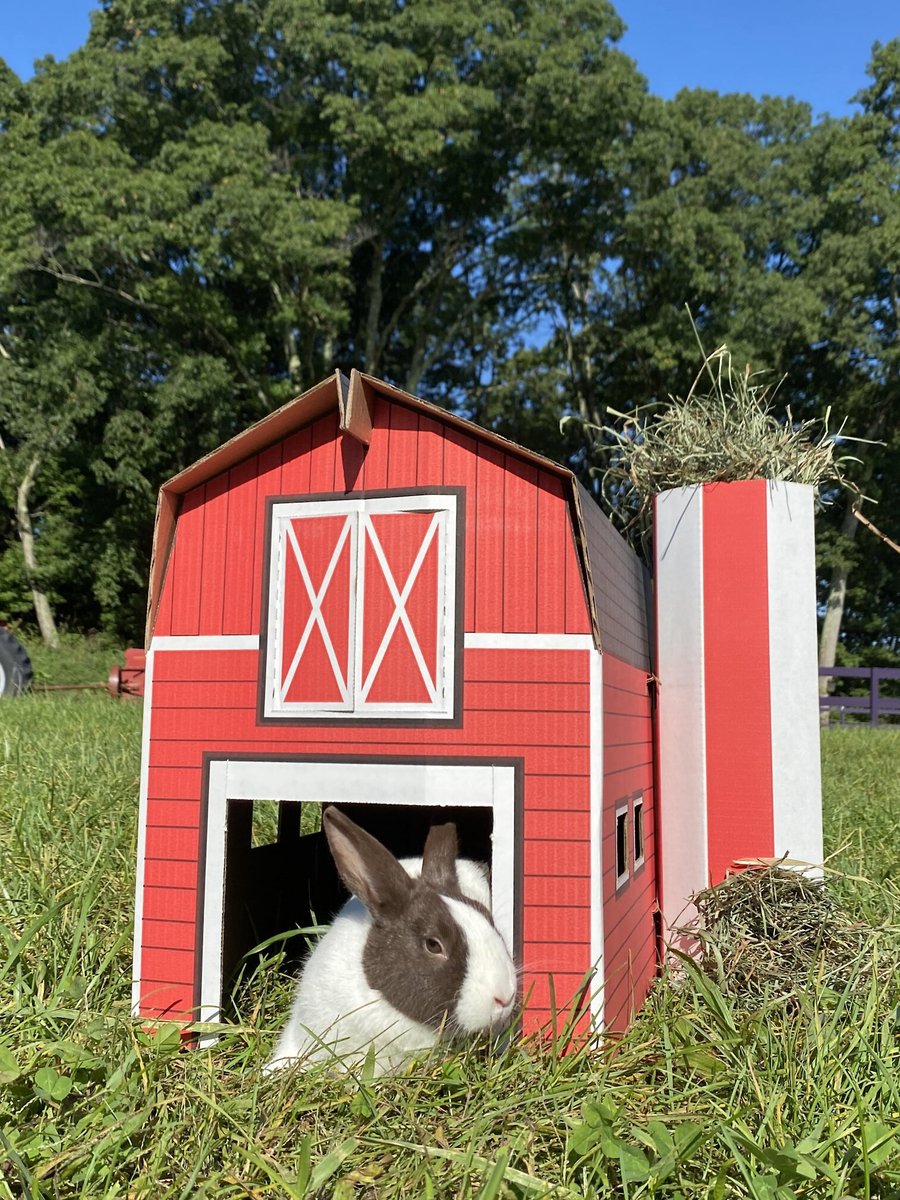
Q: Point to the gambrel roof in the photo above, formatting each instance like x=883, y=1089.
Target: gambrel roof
x=602, y=553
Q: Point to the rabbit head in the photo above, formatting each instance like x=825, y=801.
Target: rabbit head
x=432, y=951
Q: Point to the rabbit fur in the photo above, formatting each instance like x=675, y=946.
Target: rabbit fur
x=372, y=982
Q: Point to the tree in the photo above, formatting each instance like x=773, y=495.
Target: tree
x=155, y=262
x=857, y=269
x=213, y=202
x=702, y=211
x=427, y=118
x=779, y=235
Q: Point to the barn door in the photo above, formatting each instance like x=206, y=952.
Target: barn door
x=361, y=613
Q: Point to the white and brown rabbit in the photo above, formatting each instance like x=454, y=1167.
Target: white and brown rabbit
x=411, y=958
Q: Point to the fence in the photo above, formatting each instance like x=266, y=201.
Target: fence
x=873, y=706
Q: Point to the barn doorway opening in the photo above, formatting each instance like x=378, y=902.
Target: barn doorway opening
x=269, y=877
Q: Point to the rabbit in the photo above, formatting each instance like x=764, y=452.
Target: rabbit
x=411, y=958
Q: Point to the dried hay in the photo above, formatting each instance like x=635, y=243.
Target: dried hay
x=769, y=932
x=724, y=433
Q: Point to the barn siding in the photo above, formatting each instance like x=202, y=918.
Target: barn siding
x=522, y=571
x=628, y=912
x=552, y=537
x=502, y=720
x=240, y=549
x=522, y=575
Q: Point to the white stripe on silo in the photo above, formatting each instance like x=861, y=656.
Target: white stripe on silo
x=678, y=551
x=793, y=661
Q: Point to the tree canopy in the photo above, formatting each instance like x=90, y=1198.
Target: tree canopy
x=211, y=205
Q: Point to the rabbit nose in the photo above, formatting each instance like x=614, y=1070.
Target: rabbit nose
x=503, y=1003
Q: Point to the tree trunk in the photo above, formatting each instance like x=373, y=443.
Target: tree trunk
x=43, y=611
x=372, y=350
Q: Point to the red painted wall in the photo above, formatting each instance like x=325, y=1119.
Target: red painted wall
x=206, y=701
x=628, y=922
x=736, y=580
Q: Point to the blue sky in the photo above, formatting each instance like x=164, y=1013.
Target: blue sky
x=816, y=50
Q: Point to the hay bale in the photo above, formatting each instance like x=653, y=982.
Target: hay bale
x=768, y=932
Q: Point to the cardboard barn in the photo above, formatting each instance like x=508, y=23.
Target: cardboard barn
x=364, y=600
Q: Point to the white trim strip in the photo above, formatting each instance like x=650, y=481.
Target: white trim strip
x=528, y=641
x=472, y=641
x=598, y=957
x=793, y=674
x=142, y=836
x=682, y=803
x=239, y=641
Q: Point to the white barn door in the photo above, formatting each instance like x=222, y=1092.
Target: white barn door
x=477, y=785
x=361, y=616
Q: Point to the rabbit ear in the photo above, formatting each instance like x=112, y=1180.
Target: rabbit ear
x=439, y=857
x=369, y=869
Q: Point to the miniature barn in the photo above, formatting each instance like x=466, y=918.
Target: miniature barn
x=365, y=600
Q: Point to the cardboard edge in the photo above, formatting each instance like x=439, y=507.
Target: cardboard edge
x=356, y=416
x=578, y=528
x=167, y=509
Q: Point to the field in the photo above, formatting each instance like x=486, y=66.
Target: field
x=796, y=1093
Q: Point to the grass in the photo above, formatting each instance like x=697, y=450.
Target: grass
x=79, y=659
x=703, y=1097
x=723, y=430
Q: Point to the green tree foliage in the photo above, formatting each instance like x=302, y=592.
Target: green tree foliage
x=854, y=269
x=153, y=259
x=214, y=203
x=781, y=236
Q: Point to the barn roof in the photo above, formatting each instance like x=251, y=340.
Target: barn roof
x=353, y=398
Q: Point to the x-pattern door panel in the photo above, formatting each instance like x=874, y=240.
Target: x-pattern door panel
x=318, y=612
x=362, y=607
x=399, y=662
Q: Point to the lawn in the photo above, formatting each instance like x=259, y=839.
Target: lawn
x=708, y=1095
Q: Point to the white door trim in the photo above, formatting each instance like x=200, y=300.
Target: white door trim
x=475, y=785
x=598, y=952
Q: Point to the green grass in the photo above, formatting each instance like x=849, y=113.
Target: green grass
x=701, y=1098
x=79, y=659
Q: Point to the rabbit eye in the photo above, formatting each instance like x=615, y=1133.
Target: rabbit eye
x=434, y=946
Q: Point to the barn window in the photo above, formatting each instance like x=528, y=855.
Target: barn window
x=621, y=846
x=362, y=608
x=637, y=825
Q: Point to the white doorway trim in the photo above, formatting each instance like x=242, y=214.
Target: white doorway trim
x=475, y=785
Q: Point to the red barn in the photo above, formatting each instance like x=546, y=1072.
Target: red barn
x=363, y=599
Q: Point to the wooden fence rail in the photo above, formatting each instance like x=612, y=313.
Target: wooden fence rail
x=874, y=706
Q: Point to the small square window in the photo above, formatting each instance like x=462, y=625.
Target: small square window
x=621, y=846
x=637, y=839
